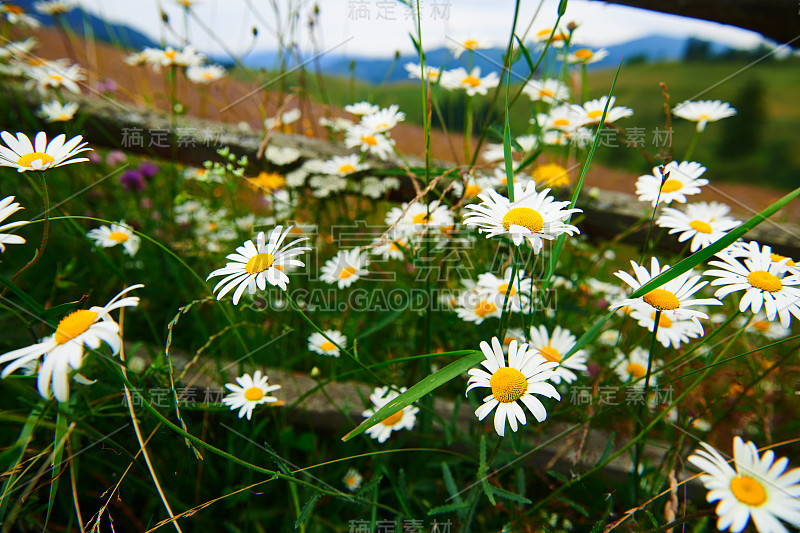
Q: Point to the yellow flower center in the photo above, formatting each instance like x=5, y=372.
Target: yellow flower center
x=761, y=279
x=485, y=308
x=748, y=491
x=347, y=272
x=472, y=81
x=761, y=325
x=471, y=44
x=560, y=122
x=253, y=394
x=350, y=481
x=584, y=54
x=27, y=159
x=347, y=168
x=327, y=346
x=546, y=93
x=208, y=76
x=700, y=226
x=259, y=263
x=369, y=139
x=170, y=54
x=551, y=354
x=118, y=236
x=63, y=117
x=702, y=117
x=551, y=175
x=382, y=126
x=597, y=113
x=73, y=325
x=663, y=322
x=508, y=385
x=393, y=419
x=56, y=78
x=507, y=341
x=421, y=218
x=671, y=186
x=472, y=190
x=636, y=370
x=504, y=288
x=525, y=217
x=662, y=300
x=777, y=258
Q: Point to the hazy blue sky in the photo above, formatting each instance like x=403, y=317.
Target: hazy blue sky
x=380, y=27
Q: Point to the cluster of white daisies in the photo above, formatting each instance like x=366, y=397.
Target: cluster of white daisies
x=187, y=58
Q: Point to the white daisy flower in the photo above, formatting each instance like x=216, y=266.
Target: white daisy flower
x=322, y=344
x=592, y=111
x=670, y=332
x=40, y=155
x=250, y=392
x=633, y=366
x=525, y=375
x=415, y=72
x=281, y=155
x=64, y=349
x=158, y=58
x=532, y=216
x=559, y=37
x=368, y=141
x=336, y=124
x=362, y=108
x=17, y=49
x=345, y=267
x=703, y=222
x=352, y=480
x=282, y=121
x=518, y=290
x=703, y=112
x=117, y=234
x=55, y=111
x=343, y=165
x=403, y=419
x=672, y=183
x=468, y=44
x=373, y=187
x=554, y=347
x=549, y=91
x=773, y=285
x=475, y=186
x=762, y=326
x=391, y=248
x=471, y=82
x=16, y=16
x=587, y=56
x=565, y=118
x=477, y=305
x=55, y=7
x=205, y=74
x=673, y=298
x=324, y=186
x=255, y=265
x=7, y=208
x=55, y=74
x=759, y=488
x=418, y=217
x=383, y=120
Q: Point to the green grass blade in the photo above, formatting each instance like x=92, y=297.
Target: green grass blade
x=482, y=468
x=556, y=252
x=419, y=390
x=58, y=452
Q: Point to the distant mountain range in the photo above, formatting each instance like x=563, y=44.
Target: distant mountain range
x=375, y=70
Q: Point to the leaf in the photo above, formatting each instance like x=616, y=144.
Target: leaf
x=450, y=483
x=419, y=390
x=60, y=310
x=306, y=512
x=58, y=451
x=528, y=58
x=449, y=508
x=482, y=468
x=508, y=495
